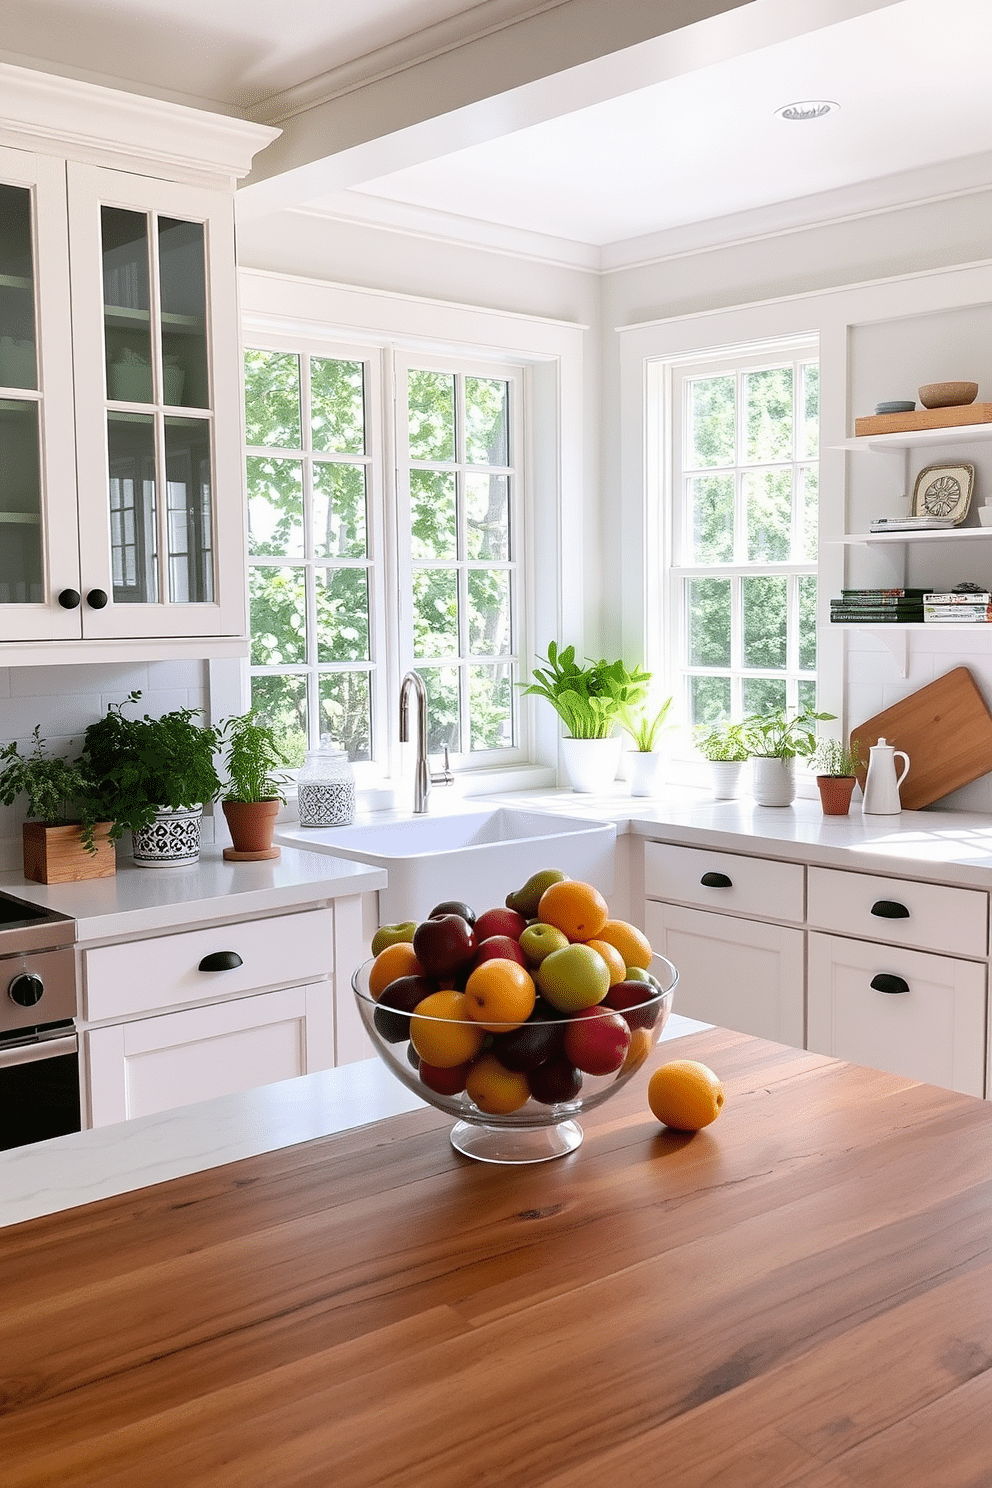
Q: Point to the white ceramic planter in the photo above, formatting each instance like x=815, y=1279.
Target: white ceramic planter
x=725, y=777
x=591, y=764
x=645, y=771
x=773, y=781
x=172, y=840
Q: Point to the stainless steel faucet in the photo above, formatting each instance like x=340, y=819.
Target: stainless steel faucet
x=424, y=777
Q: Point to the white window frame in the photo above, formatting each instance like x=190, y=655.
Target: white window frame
x=670, y=493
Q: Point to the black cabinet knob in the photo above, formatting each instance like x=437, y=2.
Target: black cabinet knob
x=716, y=881
x=889, y=909
x=26, y=989
x=69, y=599
x=221, y=961
x=886, y=983
x=97, y=599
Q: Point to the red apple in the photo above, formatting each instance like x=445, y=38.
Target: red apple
x=444, y=945
x=500, y=922
x=639, y=1003
x=499, y=947
x=596, y=1041
x=444, y=1081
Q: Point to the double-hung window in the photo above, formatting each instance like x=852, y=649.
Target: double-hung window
x=743, y=573
x=384, y=534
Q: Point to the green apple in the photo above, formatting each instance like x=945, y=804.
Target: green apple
x=388, y=935
x=539, y=940
x=638, y=974
x=572, y=978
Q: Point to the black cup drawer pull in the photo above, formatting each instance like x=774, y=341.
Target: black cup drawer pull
x=886, y=983
x=889, y=909
x=221, y=961
x=716, y=881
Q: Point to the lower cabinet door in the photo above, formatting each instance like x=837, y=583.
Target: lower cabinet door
x=924, y=1017
x=156, y=1064
x=742, y=974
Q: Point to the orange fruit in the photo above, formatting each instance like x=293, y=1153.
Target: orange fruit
x=442, y=1032
x=614, y=961
x=578, y=909
x=641, y=1044
x=495, y=1089
x=395, y=961
x=500, y=995
x=685, y=1094
x=633, y=944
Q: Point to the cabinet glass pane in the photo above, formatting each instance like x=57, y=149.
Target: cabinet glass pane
x=183, y=290
x=126, y=302
x=188, y=485
x=133, y=508
x=17, y=330
x=20, y=504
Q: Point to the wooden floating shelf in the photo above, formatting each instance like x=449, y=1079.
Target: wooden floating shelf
x=924, y=419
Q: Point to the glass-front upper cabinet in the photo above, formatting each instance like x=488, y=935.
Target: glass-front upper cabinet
x=155, y=337
x=38, y=557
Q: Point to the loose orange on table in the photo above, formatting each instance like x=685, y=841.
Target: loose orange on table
x=685, y=1094
x=395, y=961
x=578, y=909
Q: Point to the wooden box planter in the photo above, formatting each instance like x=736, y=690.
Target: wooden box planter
x=55, y=854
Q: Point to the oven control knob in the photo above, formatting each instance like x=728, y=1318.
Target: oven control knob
x=26, y=989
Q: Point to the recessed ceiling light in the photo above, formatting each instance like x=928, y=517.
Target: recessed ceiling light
x=809, y=108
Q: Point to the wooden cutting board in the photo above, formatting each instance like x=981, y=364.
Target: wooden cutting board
x=945, y=728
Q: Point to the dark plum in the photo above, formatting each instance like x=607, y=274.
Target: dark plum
x=392, y=1016
x=636, y=1001
x=554, y=1082
x=453, y=906
x=532, y=1044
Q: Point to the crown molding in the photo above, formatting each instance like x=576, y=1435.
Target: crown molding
x=58, y=115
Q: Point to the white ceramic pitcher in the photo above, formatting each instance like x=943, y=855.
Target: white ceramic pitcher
x=881, y=796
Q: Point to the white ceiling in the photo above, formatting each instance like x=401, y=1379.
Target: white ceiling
x=699, y=144
x=912, y=82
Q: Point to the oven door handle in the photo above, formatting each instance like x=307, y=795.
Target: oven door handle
x=37, y=1049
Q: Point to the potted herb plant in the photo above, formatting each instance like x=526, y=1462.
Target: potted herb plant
x=644, y=760
x=723, y=745
x=591, y=701
x=253, y=794
x=836, y=765
x=68, y=841
x=774, y=740
x=156, y=773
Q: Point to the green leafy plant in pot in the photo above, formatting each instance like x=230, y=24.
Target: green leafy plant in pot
x=591, y=701
x=774, y=740
x=724, y=746
x=253, y=794
x=156, y=774
x=68, y=840
x=836, y=766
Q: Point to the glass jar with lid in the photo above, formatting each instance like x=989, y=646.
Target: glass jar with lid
x=326, y=787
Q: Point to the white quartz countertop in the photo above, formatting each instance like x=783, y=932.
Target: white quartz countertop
x=60, y=1174
x=136, y=899
x=949, y=846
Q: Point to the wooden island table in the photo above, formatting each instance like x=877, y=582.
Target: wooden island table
x=799, y=1296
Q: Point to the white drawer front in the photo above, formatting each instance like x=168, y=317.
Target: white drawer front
x=939, y=918
x=163, y=971
x=925, y=1018
x=758, y=886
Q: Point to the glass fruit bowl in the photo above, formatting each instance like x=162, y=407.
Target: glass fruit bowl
x=515, y=1089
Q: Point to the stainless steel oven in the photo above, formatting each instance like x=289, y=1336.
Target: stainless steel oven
x=39, y=1052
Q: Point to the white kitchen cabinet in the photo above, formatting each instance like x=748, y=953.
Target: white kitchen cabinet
x=739, y=973
x=900, y=1010
x=175, y=1059
x=122, y=508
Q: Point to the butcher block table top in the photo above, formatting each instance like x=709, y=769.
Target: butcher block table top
x=800, y=1295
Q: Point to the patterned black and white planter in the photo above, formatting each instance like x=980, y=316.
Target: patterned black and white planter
x=172, y=840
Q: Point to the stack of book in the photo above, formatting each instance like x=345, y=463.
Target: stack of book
x=960, y=607
x=878, y=606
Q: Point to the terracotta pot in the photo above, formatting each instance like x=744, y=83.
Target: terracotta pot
x=835, y=793
x=252, y=824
